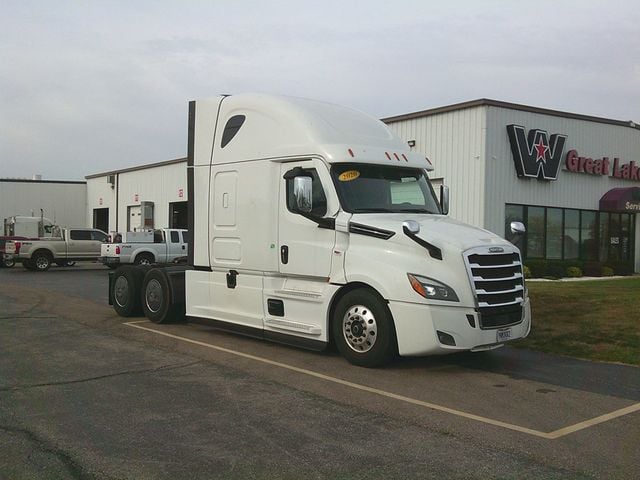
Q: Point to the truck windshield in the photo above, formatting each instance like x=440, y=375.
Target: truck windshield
x=383, y=189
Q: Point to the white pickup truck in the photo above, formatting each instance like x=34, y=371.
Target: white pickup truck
x=145, y=248
x=63, y=247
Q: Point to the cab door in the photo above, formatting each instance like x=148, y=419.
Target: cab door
x=305, y=249
x=80, y=244
x=175, y=246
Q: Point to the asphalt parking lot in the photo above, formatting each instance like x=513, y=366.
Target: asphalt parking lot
x=87, y=394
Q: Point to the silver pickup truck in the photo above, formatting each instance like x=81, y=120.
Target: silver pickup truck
x=65, y=246
x=144, y=248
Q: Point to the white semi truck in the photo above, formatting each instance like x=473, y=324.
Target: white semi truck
x=32, y=227
x=313, y=223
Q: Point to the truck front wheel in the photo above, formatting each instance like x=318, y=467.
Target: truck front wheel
x=157, y=302
x=41, y=260
x=363, y=330
x=125, y=291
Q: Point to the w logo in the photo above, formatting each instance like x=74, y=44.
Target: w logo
x=536, y=155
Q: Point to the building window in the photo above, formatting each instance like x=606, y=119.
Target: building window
x=570, y=234
x=604, y=236
x=554, y=233
x=535, y=232
x=571, y=237
x=588, y=235
x=513, y=213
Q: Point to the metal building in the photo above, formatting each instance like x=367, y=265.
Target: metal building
x=572, y=179
x=64, y=202
x=138, y=198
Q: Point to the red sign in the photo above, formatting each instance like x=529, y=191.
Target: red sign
x=180, y=193
x=602, y=166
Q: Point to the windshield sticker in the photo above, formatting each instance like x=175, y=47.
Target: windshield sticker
x=349, y=175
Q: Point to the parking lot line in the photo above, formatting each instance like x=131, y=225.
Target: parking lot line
x=546, y=435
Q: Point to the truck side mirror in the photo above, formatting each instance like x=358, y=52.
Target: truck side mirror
x=517, y=228
x=303, y=194
x=444, y=199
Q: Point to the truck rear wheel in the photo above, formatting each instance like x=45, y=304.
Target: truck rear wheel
x=125, y=291
x=157, y=298
x=363, y=330
x=8, y=262
x=144, y=259
x=41, y=261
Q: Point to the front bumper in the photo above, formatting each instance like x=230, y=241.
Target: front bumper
x=417, y=327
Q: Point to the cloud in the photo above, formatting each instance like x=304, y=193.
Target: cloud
x=89, y=87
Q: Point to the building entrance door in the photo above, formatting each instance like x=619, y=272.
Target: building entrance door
x=178, y=215
x=101, y=219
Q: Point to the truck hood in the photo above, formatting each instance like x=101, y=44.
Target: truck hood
x=439, y=230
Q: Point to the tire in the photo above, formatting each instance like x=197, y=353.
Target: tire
x=41, y=261
x=144, y=259
x=8, y=262
x=363, y=330
x=125, y=291
x=156, y=298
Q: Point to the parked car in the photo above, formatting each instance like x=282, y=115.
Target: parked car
x=7, y=260
x=144, y=248
x=65, y=247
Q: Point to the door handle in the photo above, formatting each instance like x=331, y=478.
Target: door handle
x=284, y=254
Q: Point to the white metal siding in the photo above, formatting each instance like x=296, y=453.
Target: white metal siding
x=64, y=203
x=98, y=189
x=454, y=142
x=570, y=190
x=160, y=185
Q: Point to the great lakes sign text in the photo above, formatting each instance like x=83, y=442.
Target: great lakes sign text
x=538, y=155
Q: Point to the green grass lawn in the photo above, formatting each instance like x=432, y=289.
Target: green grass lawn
x=596, y=320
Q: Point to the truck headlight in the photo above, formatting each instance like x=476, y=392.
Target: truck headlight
x=432, y=289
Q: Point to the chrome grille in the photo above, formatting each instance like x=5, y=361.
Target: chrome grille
x=498, y=284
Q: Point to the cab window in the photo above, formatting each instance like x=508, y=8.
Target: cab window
x=80, y=235
x=99, y=236
x=319, y=199
x=175, y=237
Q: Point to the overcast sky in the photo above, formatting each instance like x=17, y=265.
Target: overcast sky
x=91, y=86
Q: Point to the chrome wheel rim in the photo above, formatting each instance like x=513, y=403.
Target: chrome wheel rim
x=359, y=328
x=121, y=291
x=153, y=295
x=144, y=261
x=42, y=263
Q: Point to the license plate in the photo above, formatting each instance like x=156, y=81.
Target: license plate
x=504, y=335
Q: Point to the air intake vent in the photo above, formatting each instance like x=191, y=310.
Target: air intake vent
x=498, y=285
